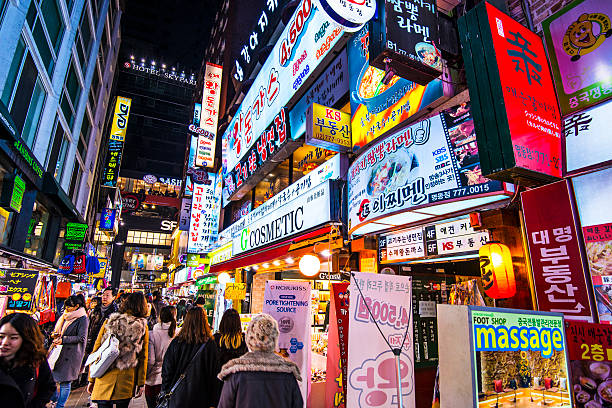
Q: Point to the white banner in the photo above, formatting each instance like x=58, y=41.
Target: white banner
x=211, y=96
x=372, y=380
x=289, y=304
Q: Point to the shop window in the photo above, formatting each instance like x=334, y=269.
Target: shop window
x=275, y=181
x=6, y=217
x=307, y=158
x=63, y=144
x=37, y=230
x=84, y=39
x=149, y=238
x=45, y=21
x=14, y=70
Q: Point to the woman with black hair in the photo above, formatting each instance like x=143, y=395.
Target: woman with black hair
x=126, y=376
x=159, y=339
x=71, y=333
x=230, y=339
x=25, y=376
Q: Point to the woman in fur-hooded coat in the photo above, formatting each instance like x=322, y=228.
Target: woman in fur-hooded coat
x=126, y=377
x=261, y=378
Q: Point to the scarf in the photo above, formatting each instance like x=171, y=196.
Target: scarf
x=67, y=318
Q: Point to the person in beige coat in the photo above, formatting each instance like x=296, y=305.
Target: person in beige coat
x=126, y=377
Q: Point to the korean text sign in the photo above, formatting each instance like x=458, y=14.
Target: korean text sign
x=120, y=119
x=328, y=128
x=18, y=285
x=580, y=49
x=289, y=304
x=293, y=59
x=555, y=253
x=371, y=377
x=235, y=291
x=209, y=115
x=432, y=161
x=337, y=349
x=205, y=208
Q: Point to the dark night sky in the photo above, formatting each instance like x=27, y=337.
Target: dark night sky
x=171, y=32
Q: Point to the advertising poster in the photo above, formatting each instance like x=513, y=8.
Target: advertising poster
x=432, y=161
x=589, y=347
x=519, y=355
x=556, y=257
x=289, y=304
x=592, y=191
x=18, y=285
x=588, y=141
x=372, y=379
x=378, y=107
x=580, y=50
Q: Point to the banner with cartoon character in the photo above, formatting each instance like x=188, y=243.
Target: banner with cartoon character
x=289, y=304
x=580, y=51
x=385, y=300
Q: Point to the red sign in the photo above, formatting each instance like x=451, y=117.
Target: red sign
x=529, y=95
x=588, y=341
x=558, y=272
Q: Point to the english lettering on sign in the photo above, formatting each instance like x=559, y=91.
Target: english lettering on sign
x=167, y=225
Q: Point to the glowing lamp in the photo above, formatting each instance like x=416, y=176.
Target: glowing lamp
x=223, y=277
x=497, y=271
x=310, y=265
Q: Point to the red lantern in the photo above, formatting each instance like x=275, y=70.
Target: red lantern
x=497, y=271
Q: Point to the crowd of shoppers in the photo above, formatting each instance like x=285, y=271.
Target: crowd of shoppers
x=180, y=366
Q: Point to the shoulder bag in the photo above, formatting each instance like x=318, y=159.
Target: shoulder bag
x=164, y=401
x=100, y=360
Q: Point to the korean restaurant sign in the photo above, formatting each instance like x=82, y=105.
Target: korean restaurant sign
x=408, y=38
x=329, y=88
x=376, y=107
x=291, y=62
x=588, y=140
x=209, y=115
x=507, y=70
x=205, y=209
x=558, y=272
x=271, y=142
x=402, y=245
x=332, y=169
x=328, y=128
x=18, y=285
x=294, y=214
x=578, y=38
x=435, y=160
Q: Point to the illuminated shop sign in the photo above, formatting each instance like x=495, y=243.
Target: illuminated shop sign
x=579, y=43
x=350, y=14
x=75, y=231
x=211, y=96
x=120, y=119
x=171, y=75
x=107, y=219
x=291, y=62
x=513, y=97
x=328, y=128
x=205, y=211
x=114, y=152
x=433, y=161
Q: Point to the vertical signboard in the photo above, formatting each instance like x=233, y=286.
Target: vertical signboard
x=17, y=192
x=110, y=174
x=120, y=118
x=580, y=50
x=593, y=191
x=209, y=115
x=555, y=253
x=385, y=300
x=337, y=353
x=517, y=119
x=185, y=214
x=289, y=304
x=203, y=225
x=107, y=219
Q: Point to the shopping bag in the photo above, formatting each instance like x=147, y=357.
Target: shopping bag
x=100, y=361
x=54, y=355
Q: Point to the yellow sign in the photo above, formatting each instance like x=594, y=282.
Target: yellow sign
x=120, y=119
x=103, y=267
x=220, y=255
x=328, y=128
x=235, y=291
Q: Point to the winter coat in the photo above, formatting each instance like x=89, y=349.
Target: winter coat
x=159, y=340
x=260, y=379
x=130, y=368
x=35, y=392
x=68, y=365
x=10, y=392
x=201, y=387
x=96, y=320
x=227, y=354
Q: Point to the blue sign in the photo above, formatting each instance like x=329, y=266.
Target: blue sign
x=107, y=219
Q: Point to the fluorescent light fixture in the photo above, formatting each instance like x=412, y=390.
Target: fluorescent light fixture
x=276, y=263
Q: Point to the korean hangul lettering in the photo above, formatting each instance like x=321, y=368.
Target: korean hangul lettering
x=563, y=234
x=523, y=98
x=597, y=352
x=511, y=90
x=413, y=10
x=567, y=291
x=556, y=274
x=471, y=242
x=554, y=255
x=596, y=93
x=584, y=97
x=397, y=5
x=540, y=237
x=573, y=102
x=321, y=124
x=459, y=243
x=607, y=88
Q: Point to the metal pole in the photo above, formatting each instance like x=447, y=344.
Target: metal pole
x=397, y=353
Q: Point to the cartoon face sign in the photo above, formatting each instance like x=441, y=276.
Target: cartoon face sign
x=586, y=34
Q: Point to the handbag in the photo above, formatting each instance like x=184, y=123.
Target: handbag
x=54, y=356
x=100, y=360
x=164, y=400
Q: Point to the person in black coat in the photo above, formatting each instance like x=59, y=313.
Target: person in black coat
x=10, y=392
x=200, y=387
x=261, y=378
x=230, y=340
x=24, y=360
x=98, y=316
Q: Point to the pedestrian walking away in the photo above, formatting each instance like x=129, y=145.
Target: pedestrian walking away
x=159, y=340
x=230, y=340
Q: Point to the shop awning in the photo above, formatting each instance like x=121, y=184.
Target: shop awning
x=263, y=255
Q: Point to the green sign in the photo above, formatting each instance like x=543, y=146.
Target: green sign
x=207, y=280
x=73, y=246
x=193, y=260
x=28, y=157
x=19, y=187
x=75, y=231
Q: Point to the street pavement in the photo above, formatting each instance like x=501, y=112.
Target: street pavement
x=79, y=399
